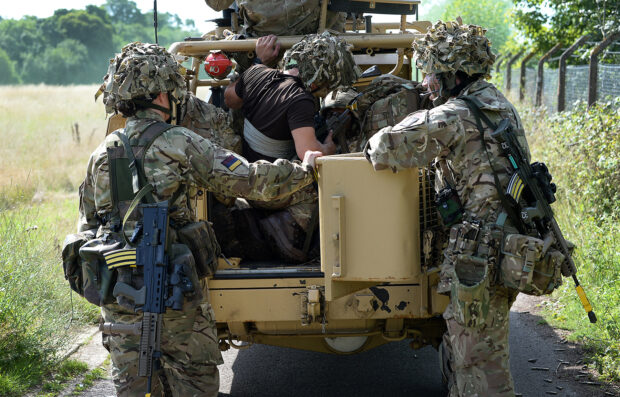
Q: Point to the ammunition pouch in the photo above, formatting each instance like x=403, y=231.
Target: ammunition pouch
x=199, y=237
x=96, y=278
x=526, y=268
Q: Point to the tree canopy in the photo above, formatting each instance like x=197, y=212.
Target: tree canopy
x=74, y=46
x=494, y=15
x=545, y=22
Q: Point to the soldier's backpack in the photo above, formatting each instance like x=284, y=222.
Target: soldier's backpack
x=386, y=102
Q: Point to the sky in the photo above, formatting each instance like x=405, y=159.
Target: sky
x=185, y=9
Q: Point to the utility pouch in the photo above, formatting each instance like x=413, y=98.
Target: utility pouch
x=184, y=280
x=524, y=267
x=470, y=291
x=199, y=237
x=71, y=262
x=449, y=206
x=97, y=278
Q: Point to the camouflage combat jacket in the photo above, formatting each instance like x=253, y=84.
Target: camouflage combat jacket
x=178, y=159
x=449, y=132
x=210, y=122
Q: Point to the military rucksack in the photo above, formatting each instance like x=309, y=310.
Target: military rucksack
x=386, y=102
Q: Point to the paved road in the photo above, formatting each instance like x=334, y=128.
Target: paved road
x=397, y=370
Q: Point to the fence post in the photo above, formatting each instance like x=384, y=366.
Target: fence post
x=509, y=70
x=522, y=76
x=562, y=71
x=541, y=73
x=500, y=60
x=593, y=71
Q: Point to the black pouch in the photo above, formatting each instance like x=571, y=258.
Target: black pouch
x=449, y=206
x=200, y=238
x=97, y=279
x=71, y=262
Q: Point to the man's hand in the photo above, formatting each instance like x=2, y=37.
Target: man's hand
x=267, y=49
x=310, y=157
x=329, y=147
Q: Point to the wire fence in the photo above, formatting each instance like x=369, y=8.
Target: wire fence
x=608, y=84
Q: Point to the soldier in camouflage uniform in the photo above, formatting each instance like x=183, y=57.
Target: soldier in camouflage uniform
x=457, y=58
x=144, y=82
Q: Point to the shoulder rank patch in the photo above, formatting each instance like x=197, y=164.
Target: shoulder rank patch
x=231, y=162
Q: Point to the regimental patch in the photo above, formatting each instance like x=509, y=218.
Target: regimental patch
x=231, y=162
x=120, y=258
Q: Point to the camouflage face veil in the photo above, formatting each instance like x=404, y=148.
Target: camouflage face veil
x=450, y=46
x=323, y=59
x=142, y=71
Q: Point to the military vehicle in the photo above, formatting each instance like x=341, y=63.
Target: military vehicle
x=380, y=236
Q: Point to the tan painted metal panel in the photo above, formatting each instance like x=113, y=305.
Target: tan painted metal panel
x=369, y=224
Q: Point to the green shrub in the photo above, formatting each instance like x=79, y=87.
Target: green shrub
x=585, y=146
x=36, y=308
x=582, y=150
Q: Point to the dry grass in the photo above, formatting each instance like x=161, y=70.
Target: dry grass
x=40, y=154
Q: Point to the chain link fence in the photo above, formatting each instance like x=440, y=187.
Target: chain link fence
x=608, y=84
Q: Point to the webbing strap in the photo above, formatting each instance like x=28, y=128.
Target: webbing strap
x=474, y=105
x=148, y=188
x=135, y=177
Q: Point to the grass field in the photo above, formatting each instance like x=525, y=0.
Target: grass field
x=43, y=161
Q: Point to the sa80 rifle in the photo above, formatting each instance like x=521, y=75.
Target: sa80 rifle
x=162, y=288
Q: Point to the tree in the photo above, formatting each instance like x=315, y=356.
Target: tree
x=67, y=63
x=490, y=14
x=7, y=70
x=565, y=20
x=124, y=12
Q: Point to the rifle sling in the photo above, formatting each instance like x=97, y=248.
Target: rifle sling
x=473, y=104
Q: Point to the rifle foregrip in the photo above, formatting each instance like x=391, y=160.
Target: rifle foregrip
x=112, y=328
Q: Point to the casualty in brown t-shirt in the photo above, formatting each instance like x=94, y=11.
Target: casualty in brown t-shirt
x=275, y=103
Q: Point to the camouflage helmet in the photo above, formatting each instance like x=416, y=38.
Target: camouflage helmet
x=141, y=71
x=323, y=58
x=450, y=46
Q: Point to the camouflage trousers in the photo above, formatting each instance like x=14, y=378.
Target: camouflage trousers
x=189, y=347
x=477, y=317
x=480, y=355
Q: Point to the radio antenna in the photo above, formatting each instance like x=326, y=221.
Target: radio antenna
x=155, y=19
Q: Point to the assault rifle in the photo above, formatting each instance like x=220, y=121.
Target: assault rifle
x=161, y=288
x=337, y=124
x=536, y=178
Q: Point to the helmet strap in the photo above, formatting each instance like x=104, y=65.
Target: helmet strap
x=148, y=104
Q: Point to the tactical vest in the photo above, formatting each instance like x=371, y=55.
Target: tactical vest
x=126, y=168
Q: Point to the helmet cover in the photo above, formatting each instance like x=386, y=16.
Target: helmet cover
x=323, y=59
x=450, y=46
x=141, y=70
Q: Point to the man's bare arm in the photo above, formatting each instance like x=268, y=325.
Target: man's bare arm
x=306, y=140
x=231, y=99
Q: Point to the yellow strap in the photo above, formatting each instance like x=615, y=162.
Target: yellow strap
x=583, y=298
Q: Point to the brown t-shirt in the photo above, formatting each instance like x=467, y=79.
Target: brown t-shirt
x=275, y=103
